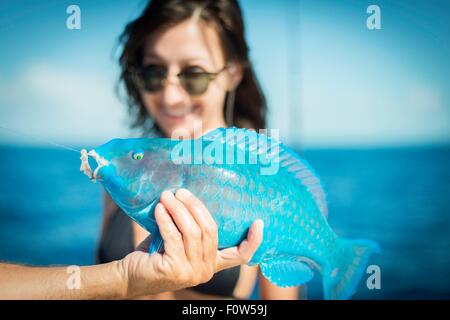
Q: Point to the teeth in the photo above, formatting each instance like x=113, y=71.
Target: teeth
x=101, y=162
x=177, y=112
x=85, y=164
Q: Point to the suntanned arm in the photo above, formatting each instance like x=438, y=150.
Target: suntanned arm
x=23, y=282
x=190, y=257
x=139, y=234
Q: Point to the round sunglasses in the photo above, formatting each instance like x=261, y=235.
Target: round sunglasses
x=194, y=80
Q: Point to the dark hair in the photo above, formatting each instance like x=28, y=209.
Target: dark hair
x=249, y=105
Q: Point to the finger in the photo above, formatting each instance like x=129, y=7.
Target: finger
x=173, y=241
x=254, y=240
x=243, y=253
x=191, y=232
x=205, y=221
x=199, y=210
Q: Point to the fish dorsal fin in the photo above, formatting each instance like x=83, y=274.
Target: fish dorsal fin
x=301, y=169
x=215, y=134
x=271, y=150
x=246, y=139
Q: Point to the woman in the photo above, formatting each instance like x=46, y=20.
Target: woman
x=185, y=65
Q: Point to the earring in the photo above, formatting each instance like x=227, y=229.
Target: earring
x=229, y=109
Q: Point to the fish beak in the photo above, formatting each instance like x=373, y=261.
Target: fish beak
x=86, y=168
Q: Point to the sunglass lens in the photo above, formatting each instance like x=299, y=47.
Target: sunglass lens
x=153, y=78
x=195, y=83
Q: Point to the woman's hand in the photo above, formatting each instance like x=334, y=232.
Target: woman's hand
x=190, y=248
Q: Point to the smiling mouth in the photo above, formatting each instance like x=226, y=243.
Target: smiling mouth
x=178, y=113
x=86, y=168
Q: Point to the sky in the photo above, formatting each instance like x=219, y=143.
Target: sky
x=329, y=80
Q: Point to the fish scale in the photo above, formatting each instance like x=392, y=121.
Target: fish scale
x=291, y=201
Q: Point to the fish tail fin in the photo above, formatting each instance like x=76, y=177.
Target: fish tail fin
x=341, y=277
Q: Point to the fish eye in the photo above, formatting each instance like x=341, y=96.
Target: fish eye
x=137, y=155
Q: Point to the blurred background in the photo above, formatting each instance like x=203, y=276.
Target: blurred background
x=369, y=109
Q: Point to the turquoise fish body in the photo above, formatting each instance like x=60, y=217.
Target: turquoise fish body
x=241, y=176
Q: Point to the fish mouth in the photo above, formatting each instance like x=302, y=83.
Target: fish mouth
x=86, y=168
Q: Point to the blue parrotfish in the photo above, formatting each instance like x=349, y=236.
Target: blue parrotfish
x=240, y=175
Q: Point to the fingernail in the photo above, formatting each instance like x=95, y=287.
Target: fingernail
x=260, y=222
x=252, y=232
x=183, y=194
x=167, y=194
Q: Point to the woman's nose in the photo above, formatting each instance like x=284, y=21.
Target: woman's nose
x=173, y=94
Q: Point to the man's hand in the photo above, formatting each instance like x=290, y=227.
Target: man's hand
x=190, y=248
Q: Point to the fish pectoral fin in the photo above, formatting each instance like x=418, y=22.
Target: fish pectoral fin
x=286, y=272
x=157, y=244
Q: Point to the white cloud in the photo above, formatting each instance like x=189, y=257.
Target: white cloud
x=80, y=107
x=381, y=116
x=65, y=105
x=424, y=99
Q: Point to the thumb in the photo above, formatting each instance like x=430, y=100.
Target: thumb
x=242, y=254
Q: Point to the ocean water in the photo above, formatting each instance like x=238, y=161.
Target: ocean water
x=50, y=213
